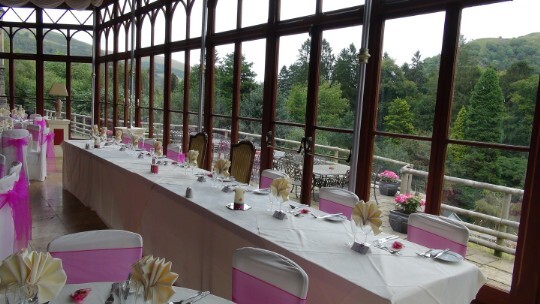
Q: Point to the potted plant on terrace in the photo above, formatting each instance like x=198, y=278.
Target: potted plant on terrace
x=388, y=182
x=405, y=205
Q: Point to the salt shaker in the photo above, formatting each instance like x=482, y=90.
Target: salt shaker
x=189, y=192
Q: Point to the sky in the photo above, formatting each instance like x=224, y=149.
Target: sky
x=403, y=36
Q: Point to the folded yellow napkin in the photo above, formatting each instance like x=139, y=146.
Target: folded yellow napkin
x=158, y=148
x=281, y=187
x=367, y=214
x=135, y=139
x=35, y=271
x=154, y=275
x=222, y=167
x=192, y=156
x=118, y=136
x=95, y=130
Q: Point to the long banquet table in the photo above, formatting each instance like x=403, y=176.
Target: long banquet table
x=199, y=235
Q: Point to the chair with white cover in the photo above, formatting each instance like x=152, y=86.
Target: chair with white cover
x=268, y=175
x=2, y=165
x=34, y=116
x=7, y=226
x=147, y=144
x=98, y=255
x=15, y=148
x=37, y=158
x=265, y=277
x=437, y=232
x=19, y=200
x=336, y=200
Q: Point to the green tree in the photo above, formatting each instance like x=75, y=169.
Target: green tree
x=399, y=118
x=484, y=124
x=346, y=73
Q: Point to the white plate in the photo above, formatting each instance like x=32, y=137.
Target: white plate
x=336, y=218
x=262, y=191
x=229, y=179
x=448, y=256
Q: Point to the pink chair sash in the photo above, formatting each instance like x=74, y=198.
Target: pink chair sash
x=18, y=200
x=37, y=136
x=265, y=182
x=51, y=155
x=42, y=123
x=333, y=207
x=18, y=143
x=147, y=146
x=98, y=265
x=249, y=289
x=2, y=170
x=126, y=140
x=428, y=239
x=179, y=157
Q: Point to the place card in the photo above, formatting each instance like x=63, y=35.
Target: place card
x=280, y=215
x=361, y=248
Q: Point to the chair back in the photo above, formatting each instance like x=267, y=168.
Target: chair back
x=97, y=256
x=174, y=152
x=242, y=156
x=7, y=227
x=34, y=116
x=147, y=144
x=268, y=175
x=335, y=200
x=15, y=148
x=265, y=277
x=37, y=158
x=37, y=137
x=198, y=142
x=437, y=232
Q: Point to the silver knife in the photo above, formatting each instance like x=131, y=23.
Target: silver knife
x=441, y=253
x=386, y=239
x=196, y=297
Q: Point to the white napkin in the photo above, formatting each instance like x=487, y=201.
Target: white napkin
x=34, y=270
x=367, y=214
x=154, y=275
x=281, y=187
x=222, y=166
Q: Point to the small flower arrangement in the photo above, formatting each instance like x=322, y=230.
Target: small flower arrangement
x=397, y=245
x=389, y=177
x=409, y=203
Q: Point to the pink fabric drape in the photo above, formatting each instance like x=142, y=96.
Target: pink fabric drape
x=249, y=289
x=333, y=207
x=51, y=157
x=18, y=143
x=19, y=201
x=265, y=182
x=179, y=157
x=41, y=123
x=431, y=240
x=98, y=265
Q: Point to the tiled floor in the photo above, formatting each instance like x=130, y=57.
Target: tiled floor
x=56, y=212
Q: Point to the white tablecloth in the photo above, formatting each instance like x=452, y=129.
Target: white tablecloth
x=199, y=235
x=100, y=292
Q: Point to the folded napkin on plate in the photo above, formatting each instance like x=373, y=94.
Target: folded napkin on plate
x=158, y=148
x=37, y=271
x=192, y=156
x=222, y=167
x=367, y=214
x=154, y=275
x=281, y=187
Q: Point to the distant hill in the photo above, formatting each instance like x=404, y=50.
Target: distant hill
x=55, y=43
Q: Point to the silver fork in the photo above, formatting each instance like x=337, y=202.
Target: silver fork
x=326, y=215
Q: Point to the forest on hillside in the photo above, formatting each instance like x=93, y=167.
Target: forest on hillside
x=494, y=101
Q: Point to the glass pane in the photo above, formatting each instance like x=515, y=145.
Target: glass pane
x=468, y=199
x=176, y=132
x=331, y=5
x=81, y=89
x=194, y=82
x=221, y=138
x=110, y=41
x=159, y=81
x=251, y=130
x=146, y=32
x=158, y=125
x=410, y=74
x=254, y=12
x=224, y=79
x=177, y=81
x=179, y=23
x=292, y=78
x=20, y=15
x=195, y=27
x=54, y=42
x=299, y=8
x=159, y=28
x=145, y=81
x=226, y=15
x=251, y=78
x=496, y=104
x=25, y=84
x=81, y=44
x=145, y=118
x=286, y=158
x=24, y=41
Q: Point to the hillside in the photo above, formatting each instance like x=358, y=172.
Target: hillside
x=55, y=43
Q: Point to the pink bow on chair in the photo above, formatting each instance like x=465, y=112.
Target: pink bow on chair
x=18, y=143
x=18, y=199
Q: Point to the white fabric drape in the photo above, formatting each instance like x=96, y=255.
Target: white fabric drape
x=74, y=4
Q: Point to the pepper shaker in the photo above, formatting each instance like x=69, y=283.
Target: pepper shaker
x=189, y=192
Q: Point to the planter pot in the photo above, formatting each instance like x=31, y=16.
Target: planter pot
x=398, y=220
x=389, y=189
